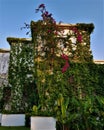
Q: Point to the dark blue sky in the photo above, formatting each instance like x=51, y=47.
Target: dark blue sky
x=13, y=14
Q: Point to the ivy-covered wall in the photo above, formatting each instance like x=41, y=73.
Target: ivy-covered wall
x=89, y=76
x=22, y=71
x=78, y=52
x=21, y=74
x=49, y=52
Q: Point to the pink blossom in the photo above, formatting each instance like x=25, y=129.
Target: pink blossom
x=65, y=57
x=56, y=33
x=79, y=38
x=65, y=67
x=41, y=6
x=49, y=31
x=75, y=30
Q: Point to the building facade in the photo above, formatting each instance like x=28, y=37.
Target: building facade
x=19, y=61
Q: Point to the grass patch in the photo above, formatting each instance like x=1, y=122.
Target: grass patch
x=13, y=128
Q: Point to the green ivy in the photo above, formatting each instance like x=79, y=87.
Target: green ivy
x=86, y=27
x=21, y=74
x=84, y=90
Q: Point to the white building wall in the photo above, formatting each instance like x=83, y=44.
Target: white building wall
x=4, y=64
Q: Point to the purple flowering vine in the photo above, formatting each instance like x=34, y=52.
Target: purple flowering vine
x=66, y=66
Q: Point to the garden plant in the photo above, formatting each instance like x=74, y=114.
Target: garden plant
x=68, y=85
x=62, y=91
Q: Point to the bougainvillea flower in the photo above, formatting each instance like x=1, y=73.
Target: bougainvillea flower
x=49, y=31
x=77, y=33
x=65, y=57
x=66, y=66
x=79, y=38
x=75, y=30
x=41, y=6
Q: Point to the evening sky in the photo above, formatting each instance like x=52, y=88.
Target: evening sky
x=13, y=14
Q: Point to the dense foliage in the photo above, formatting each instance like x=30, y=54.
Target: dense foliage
x=21, y=75
x=65, y=80
x=82, y=104
x=59, y=74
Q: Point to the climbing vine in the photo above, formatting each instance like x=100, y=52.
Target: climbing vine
x=54, y=49
x=21, y=74
x=57, y=70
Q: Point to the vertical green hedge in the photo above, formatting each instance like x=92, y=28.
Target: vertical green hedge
x=89, y=76
x=21, y=74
